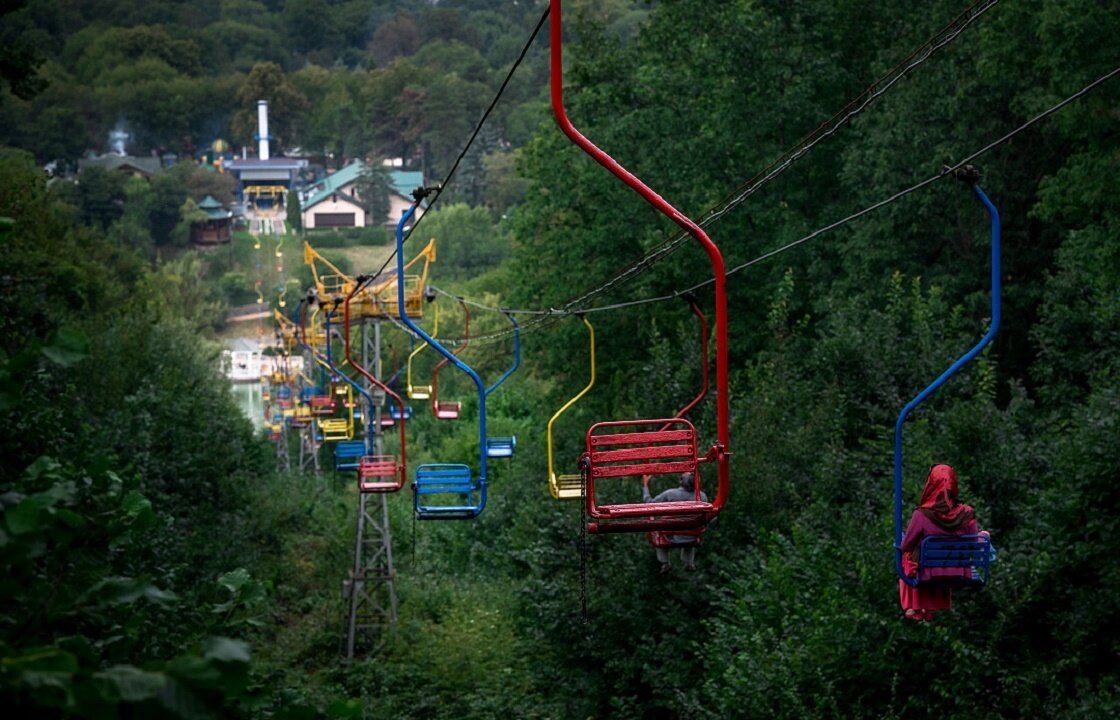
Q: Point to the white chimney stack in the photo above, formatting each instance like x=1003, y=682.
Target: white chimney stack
x=262, y=129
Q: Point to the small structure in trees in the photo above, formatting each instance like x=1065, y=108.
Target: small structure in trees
x=215, y=229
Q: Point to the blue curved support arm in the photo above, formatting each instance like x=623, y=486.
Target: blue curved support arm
x=516, y=354
x=367, y=417
x=993, y=213
x=447, y=354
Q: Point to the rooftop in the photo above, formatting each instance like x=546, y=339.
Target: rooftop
x=146, y=165
x=270, y=164
x=402, y=181
x=213, y=208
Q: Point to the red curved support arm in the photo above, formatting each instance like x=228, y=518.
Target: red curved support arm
x=719, y=271
x=403, y=470
x=456, y=351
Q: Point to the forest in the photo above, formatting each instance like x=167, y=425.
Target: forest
x=157, y=564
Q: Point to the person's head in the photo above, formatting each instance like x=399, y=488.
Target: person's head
x=940, y=483
x=940, y=501
x=688, y=481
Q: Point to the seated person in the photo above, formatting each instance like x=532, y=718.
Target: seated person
x=687, y=543
x=939, y=512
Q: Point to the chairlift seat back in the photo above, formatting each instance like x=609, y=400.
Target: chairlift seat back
x=322, y=405
x=971, y=554
x=448, y=410
x=451, y=482
x=500, y=447
x=567, y=486
x=378, y=473
x=633, y=448
x=336, y=429
x=348, y=454
x=395, y=412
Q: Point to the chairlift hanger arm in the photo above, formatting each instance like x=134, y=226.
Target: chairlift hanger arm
x=412, y=355
x=516, y=354
x=367, y=418
x=691, y=300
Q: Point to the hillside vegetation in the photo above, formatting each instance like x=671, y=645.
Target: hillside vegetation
x=155, y=564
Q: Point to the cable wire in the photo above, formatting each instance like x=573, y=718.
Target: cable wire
x=555, y=313
x=826, y=129
x=477, y=130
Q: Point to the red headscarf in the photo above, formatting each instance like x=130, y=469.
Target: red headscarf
x=939, y=500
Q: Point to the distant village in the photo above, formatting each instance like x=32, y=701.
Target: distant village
x=329, y=198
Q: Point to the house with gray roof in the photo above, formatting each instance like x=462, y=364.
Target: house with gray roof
x=144, y=167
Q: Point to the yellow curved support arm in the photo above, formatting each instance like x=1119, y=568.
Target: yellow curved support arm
x=414, y=353
x=553, y=486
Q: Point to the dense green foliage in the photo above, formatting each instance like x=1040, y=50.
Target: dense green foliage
x=138, y=502
x=343, y=79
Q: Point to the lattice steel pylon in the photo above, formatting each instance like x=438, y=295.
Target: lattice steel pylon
x=283, y=459
x=370, y=589
x=308, y=448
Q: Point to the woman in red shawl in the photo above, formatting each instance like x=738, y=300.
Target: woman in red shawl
x=940, y=512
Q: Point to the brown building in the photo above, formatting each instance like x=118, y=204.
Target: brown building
x=215, y=229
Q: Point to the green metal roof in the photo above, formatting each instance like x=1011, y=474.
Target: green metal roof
x=403, y=182
x=333, y=182
x=213, y=208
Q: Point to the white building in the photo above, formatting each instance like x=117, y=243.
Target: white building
x=335, y=201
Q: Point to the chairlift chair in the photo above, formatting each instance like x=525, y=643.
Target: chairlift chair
x=376, y=472
x=446, y=409
x=630, y=448
x=502, y=446
x=444, y=491
x=971, y=555
x=569, y=486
